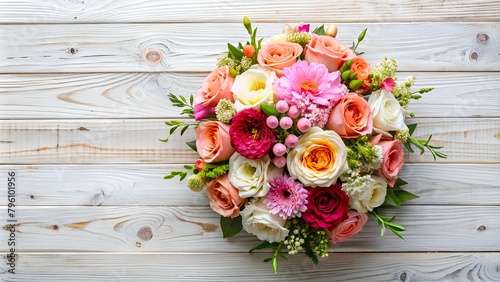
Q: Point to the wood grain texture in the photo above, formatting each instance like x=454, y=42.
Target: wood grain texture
x=80, y=11
x=355, y=267
x=143, y=185
x=192, y=47
x=144, y=95
x=196, y=229
x=136, y=141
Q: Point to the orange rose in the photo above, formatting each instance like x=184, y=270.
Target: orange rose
x=362, y=67
x=213, y=142
x=223, y=197
x=351, y=117
x=328, y=51
x=216, y=86
x=278, y=55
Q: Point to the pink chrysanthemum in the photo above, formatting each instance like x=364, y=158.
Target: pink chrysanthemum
x=286, y=197
x=250, y=135
x=312, y=81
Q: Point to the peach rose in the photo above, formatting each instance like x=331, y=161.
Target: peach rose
x=351, y=117
x=328, y=51
x=278, y=55
x=352, y=225
x=362, y=67
x=216, y=86
x=223, y=197
x=213, y=142
x=319, y=158
x=393, y=158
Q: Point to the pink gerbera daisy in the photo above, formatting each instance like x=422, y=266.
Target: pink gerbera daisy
x=286, y=197
x=312, y=81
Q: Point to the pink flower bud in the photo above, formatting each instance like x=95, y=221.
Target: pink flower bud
x=199, y=164
x=272, y=122
x=279, y=161
x=286, y=122
x=388, y=84
x=249, y=51
x=279, y=149
x=304, y=124
x=293, y=112
x=291, y=141
x=302, y=27
x=282, y=106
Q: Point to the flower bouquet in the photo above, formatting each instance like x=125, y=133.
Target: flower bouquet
x=300, y=139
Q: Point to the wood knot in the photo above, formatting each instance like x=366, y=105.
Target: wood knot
x=482, y=38
x=55, y=227
x=138, y=244
x=32, y=197
x=82, y=128
x=145, y=233
x=474, y=55
x=72, y=50
x=153, y=57
x=402, y=277
x=481, y=228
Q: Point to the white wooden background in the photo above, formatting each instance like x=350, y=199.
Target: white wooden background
x=83, y=97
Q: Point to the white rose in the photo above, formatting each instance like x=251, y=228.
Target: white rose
x=319, y=158
x=250, y=177
x=253, y=87
x=388, y=115
x=367, y=193
x=257, y=220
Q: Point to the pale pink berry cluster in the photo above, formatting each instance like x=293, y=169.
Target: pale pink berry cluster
x=285, y=122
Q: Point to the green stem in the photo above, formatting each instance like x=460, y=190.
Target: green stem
x=275, y=257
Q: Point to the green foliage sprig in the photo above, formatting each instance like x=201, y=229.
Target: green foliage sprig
x=422, y=144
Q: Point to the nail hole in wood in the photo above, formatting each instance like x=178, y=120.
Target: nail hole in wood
x=72, y=50
x=474, y=55
x=481, y=228
x=153, y=57
x=482, y=38
x=55, y=227
x=402, y=277
x=32, y=197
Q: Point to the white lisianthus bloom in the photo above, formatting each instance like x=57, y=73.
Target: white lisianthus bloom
x=388, y=115
x=253, y=87
x=319, y=158
x=366, y=192
x=250, y=177
x=257, y=220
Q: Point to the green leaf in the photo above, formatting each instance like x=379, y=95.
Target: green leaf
x=192, y=144
x=263, y=245
x=320, y=30
x=404, y=196
x=269, y=110
x=170, y=176
x=230, y=226
x=268, y=259
x=408, y=146
x=411, y=128
x=275, y=265
x=391, y=199
x=400, y=182
x=184, y=129
x=235, y=52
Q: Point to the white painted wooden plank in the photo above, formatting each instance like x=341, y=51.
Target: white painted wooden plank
x=355, y=267
x=136, y=141
x=194, y=47
x=144, y=95
x=196, y=229
x=40, y=11
x=143, y=185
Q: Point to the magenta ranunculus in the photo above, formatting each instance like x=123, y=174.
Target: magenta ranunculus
x=250, y=135
x=327, y=206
